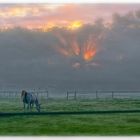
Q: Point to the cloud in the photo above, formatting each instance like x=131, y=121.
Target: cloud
x=38, y=15
x=35, y=59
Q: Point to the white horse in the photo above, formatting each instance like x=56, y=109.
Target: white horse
x=30, y=100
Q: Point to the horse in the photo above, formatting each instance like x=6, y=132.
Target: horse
x=30, y=100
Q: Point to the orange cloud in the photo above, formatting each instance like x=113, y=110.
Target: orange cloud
x=75, y=25
x=46, y=16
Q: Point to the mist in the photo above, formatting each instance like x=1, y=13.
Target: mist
x=33, y=58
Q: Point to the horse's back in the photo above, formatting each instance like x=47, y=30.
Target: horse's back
x=28, y=97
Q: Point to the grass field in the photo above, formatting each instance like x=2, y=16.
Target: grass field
x=73, y=125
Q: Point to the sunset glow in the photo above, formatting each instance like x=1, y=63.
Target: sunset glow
x=48, y=16
x=76, y=30
x=75, y=25
x=73, y=46
x=89, y=54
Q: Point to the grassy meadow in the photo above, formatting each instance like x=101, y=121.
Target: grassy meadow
x=72, y=125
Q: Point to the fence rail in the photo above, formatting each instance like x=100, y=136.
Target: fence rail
x=103, y=94
x=16, y=94
x=73, y=95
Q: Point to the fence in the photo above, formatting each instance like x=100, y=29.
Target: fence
x=44, y=94
x=16, y=94
x=102, y=95
x=11, y=103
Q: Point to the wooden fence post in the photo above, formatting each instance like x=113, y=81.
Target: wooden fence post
x=67, y=95
x=96, y=94
x=75, y=97
x=47, y=94
x=9, y=95
x=112, y=94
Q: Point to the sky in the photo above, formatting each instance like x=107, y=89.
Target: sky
x=70, y=46
x=50, y=15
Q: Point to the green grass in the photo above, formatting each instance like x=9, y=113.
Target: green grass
x=72, y=125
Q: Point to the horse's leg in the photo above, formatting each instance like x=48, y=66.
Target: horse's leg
x=24, y=106
x=28, y=106
x=31, y=105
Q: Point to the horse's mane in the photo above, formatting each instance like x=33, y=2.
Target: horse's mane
x=23, y=93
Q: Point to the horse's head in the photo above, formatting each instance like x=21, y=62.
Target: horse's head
x=38, y=107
